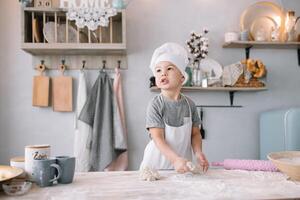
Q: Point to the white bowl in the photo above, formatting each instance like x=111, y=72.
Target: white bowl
x=16, y=188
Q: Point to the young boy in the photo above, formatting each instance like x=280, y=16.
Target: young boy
x=172, y=118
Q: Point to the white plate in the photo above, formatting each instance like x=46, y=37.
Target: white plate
x=265, y=24
x=211, y=67
x=49, y=34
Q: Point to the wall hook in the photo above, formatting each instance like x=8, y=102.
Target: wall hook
x=103, y=64
x=119, y=64
x=62, y=67
x=83, y=64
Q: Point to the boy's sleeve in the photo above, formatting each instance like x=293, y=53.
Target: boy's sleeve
x=154, y=118
x=195, y=115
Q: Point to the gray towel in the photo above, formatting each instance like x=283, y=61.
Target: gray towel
x=98, y=112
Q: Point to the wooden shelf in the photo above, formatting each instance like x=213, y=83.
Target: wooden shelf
x=226, y=89
x=41, y=9
x=262, y=45
x=74, y=48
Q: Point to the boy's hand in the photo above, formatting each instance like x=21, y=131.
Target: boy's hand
x=180, y=165
x=202, y=161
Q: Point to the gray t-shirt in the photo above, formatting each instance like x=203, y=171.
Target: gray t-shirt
x=160, y=110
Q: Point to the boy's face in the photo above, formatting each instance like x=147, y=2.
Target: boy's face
x=167, y=75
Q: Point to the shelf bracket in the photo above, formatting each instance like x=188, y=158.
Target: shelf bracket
x=247, y=50
x=298, y=56
x=231, y=96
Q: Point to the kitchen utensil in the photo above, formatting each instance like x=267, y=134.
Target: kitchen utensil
x=264, y=24
x=262, y=9
x=202, y=131
x=251, y=165
x=8, y=172
x=287, y=162
x=40, y=93
x=36, y=31
x=62, y=92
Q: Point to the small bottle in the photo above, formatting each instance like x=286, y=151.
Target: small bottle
x=204, y=80
x=290, y=25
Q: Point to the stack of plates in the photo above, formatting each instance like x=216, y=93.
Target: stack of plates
x=262, y=17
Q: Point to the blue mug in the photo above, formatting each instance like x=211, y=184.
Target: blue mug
x=67, y=165
x=44, y=172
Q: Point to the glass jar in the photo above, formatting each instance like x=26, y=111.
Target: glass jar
x=196, y=80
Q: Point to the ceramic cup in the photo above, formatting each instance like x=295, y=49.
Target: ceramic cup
x=19, y=162
x=35, y=152
x=45, y=172
x=244, y=35
x=67, y=165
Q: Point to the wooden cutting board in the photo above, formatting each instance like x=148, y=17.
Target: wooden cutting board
x=40, y=89
x=62, y=93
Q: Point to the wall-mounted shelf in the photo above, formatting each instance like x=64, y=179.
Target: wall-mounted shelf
x=262, y=45
x=231, y=91
x=64, y=40
x=247, y=45
x=73, y=49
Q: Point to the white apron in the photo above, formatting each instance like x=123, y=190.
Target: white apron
x=178, y=138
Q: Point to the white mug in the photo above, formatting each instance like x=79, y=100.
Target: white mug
x=35, y=152
x=231, y=36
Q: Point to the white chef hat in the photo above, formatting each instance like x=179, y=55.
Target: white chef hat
x=171, y=52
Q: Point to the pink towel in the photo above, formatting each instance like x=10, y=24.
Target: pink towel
x=121, y=162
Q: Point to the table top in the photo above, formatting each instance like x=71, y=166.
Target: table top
x=215, y=184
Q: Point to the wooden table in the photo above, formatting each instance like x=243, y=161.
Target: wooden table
x=215, y=184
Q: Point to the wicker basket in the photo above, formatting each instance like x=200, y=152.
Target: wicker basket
x=287, y=162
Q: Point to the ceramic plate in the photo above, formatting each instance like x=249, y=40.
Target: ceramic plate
x=49, y=33
x=8, y=172
x=265, y=24
x=212, y=67
x=261, y=9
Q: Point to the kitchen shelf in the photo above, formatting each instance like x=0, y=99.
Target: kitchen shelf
x=262, y=45
x=247, y=45
x=228, y=89
x=231, y=91
x=73, y=49
x=105, y=44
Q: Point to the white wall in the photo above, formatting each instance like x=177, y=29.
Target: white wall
x=231, y=132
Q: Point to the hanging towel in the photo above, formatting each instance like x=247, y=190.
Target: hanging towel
x=82, y=130
x=98, y=112
x=121, y=162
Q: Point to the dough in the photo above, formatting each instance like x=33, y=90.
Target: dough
x=193, y=168
x=147, y=174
